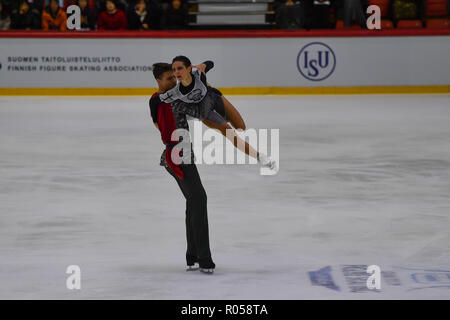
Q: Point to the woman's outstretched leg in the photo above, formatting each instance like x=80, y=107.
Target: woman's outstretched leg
x=233, y=115
x=233, y=137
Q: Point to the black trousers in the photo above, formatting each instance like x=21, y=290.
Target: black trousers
x=197, y=234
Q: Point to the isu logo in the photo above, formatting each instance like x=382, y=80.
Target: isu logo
x=316, y=61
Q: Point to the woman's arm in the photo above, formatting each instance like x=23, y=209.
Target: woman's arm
x=205, y=66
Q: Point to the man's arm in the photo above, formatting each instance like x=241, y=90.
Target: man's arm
x=154, y=104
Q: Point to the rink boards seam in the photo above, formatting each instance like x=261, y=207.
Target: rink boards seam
x=230, y=91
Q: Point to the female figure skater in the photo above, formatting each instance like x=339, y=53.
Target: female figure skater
x=194, y=97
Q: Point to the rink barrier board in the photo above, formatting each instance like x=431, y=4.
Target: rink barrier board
x=342, y=81
x=225, y=33
x=442, y=89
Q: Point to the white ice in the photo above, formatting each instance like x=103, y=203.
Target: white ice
x=363, y=180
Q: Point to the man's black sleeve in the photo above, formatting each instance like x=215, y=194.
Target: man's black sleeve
x=209, y=65
x=154, y=104
x=203, y=78
x=216, y=91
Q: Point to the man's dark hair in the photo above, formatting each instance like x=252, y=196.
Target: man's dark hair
x=159, y=68
x=185, y=60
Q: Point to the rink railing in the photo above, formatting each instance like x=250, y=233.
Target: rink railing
x=224, y=33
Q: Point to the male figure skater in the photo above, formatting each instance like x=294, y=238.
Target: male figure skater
x=185, y=174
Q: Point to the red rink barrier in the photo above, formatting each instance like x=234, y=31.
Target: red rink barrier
x=223, y=33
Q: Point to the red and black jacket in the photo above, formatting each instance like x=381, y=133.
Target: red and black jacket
x=162, y=114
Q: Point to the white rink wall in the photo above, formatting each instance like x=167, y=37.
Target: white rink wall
x=241, y=62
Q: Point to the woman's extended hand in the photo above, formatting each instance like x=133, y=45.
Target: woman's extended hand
x=201, y=67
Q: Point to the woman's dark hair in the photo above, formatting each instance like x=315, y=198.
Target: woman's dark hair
x=159, y=69
x=185, y=60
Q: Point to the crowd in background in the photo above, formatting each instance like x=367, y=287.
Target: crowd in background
x=95, y=14
x=323, y=14
x=173, y=14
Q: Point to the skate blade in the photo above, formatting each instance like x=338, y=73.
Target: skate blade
x=272, y=166
x=208, y=271
x=192, y=268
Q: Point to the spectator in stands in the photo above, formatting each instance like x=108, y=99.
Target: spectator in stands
x=5, y=20
x=176, y=16
x=112, y=18
x=290, y=14
x=24, y=18
x=120, y=4
x=321, y=14
x=54, y=17
x=90, y=3
x=406, y=9
x=354, y=11
x=87, y=15
x=37, y=6
x=67, y=3
x=144, y=16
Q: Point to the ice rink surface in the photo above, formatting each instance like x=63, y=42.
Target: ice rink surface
x=363, y=180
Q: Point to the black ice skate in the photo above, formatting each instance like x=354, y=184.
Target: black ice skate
x=193, y=267
x=192, y=263
x=207, y=266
